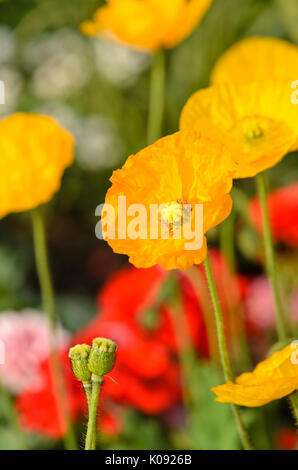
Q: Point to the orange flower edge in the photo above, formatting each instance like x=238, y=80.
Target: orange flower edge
x=274, y=378
x=180, y=169
x=35, y=150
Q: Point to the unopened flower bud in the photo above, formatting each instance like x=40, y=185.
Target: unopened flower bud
x=102, y=356
x=79, y=356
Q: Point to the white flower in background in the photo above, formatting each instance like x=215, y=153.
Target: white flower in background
x=97, y=141
x=13, y=84
x=8, y=45
x=25, y=342
x=119, y=64
x=98, y=144
x=61, y=64
x=63, y=113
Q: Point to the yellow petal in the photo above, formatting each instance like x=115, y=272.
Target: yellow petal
x=272, y=379
x=34, y=151
x=257, y=58
x=182, y=168
x=259, y=118
x=149, y=24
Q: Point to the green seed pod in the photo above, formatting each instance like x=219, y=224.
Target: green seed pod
x=79, y=355
x=102, y=356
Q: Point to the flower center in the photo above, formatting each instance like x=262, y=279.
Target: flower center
x=254, y=132
x=175, y=213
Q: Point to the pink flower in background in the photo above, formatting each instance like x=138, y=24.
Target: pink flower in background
x=294, y=306
x=25, y=340
x=259, y=304
x=260, y=307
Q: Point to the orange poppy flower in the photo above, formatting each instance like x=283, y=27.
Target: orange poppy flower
x=257, y=58
x=34, y=151
x=149, y=24
x=273, y=378
x=259, y=118
x=174, y=176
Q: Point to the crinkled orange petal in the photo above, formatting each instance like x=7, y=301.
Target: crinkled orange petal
x=34, y=151
x=257, y=58
x=273, y=378
x=150, y=24
x=183, y=167
x=185, y=21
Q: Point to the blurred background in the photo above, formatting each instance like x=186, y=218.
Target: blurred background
x=99, y=91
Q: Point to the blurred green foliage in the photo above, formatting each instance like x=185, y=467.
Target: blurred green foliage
x=80, y=262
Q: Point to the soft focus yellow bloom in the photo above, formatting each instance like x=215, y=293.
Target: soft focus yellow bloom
x=257, y=58
x=34, y=151
x=147, y=24
x=183, y=168
x=259, y=118
x=273, y=378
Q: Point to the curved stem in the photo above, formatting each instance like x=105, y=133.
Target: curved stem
x=271, y=270
x=242, y=431
x=185, y=349
x=223, y=350
x=270, y=259
x=293, y=398
x=226, y=239
x=236, y=319
x=91, y=431
x=157, y=92
x=42, y=266
x=48, y=305
x=224, y=356
x=197, y=280
x=88, y=391
x=69, y=437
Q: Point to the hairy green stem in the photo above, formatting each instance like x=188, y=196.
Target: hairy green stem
x=157, y=98
x=224, y=356
x=270, y=259
x=185, y=349
x=88, y=391
x=271, y=270
x=48, y=305
x=294, y=406
x=223, y=350
x=91, y=430
x=227, y=247
x=227, y=243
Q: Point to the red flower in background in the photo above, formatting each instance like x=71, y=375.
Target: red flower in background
x=146, y=372
x=283, y=214
x=38, y=406
x=286, y=439
x=39, y=412
x=135, y=313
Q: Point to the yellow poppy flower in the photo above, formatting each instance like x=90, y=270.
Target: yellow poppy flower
x=259, y=118
x=273, y=378
x=149, y=24
x=257, y=58
x=34, y=151
x=173, y=177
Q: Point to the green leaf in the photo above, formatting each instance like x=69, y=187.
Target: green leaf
x=210, y=424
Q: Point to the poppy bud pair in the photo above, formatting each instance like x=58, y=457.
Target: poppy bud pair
x=97, y=360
